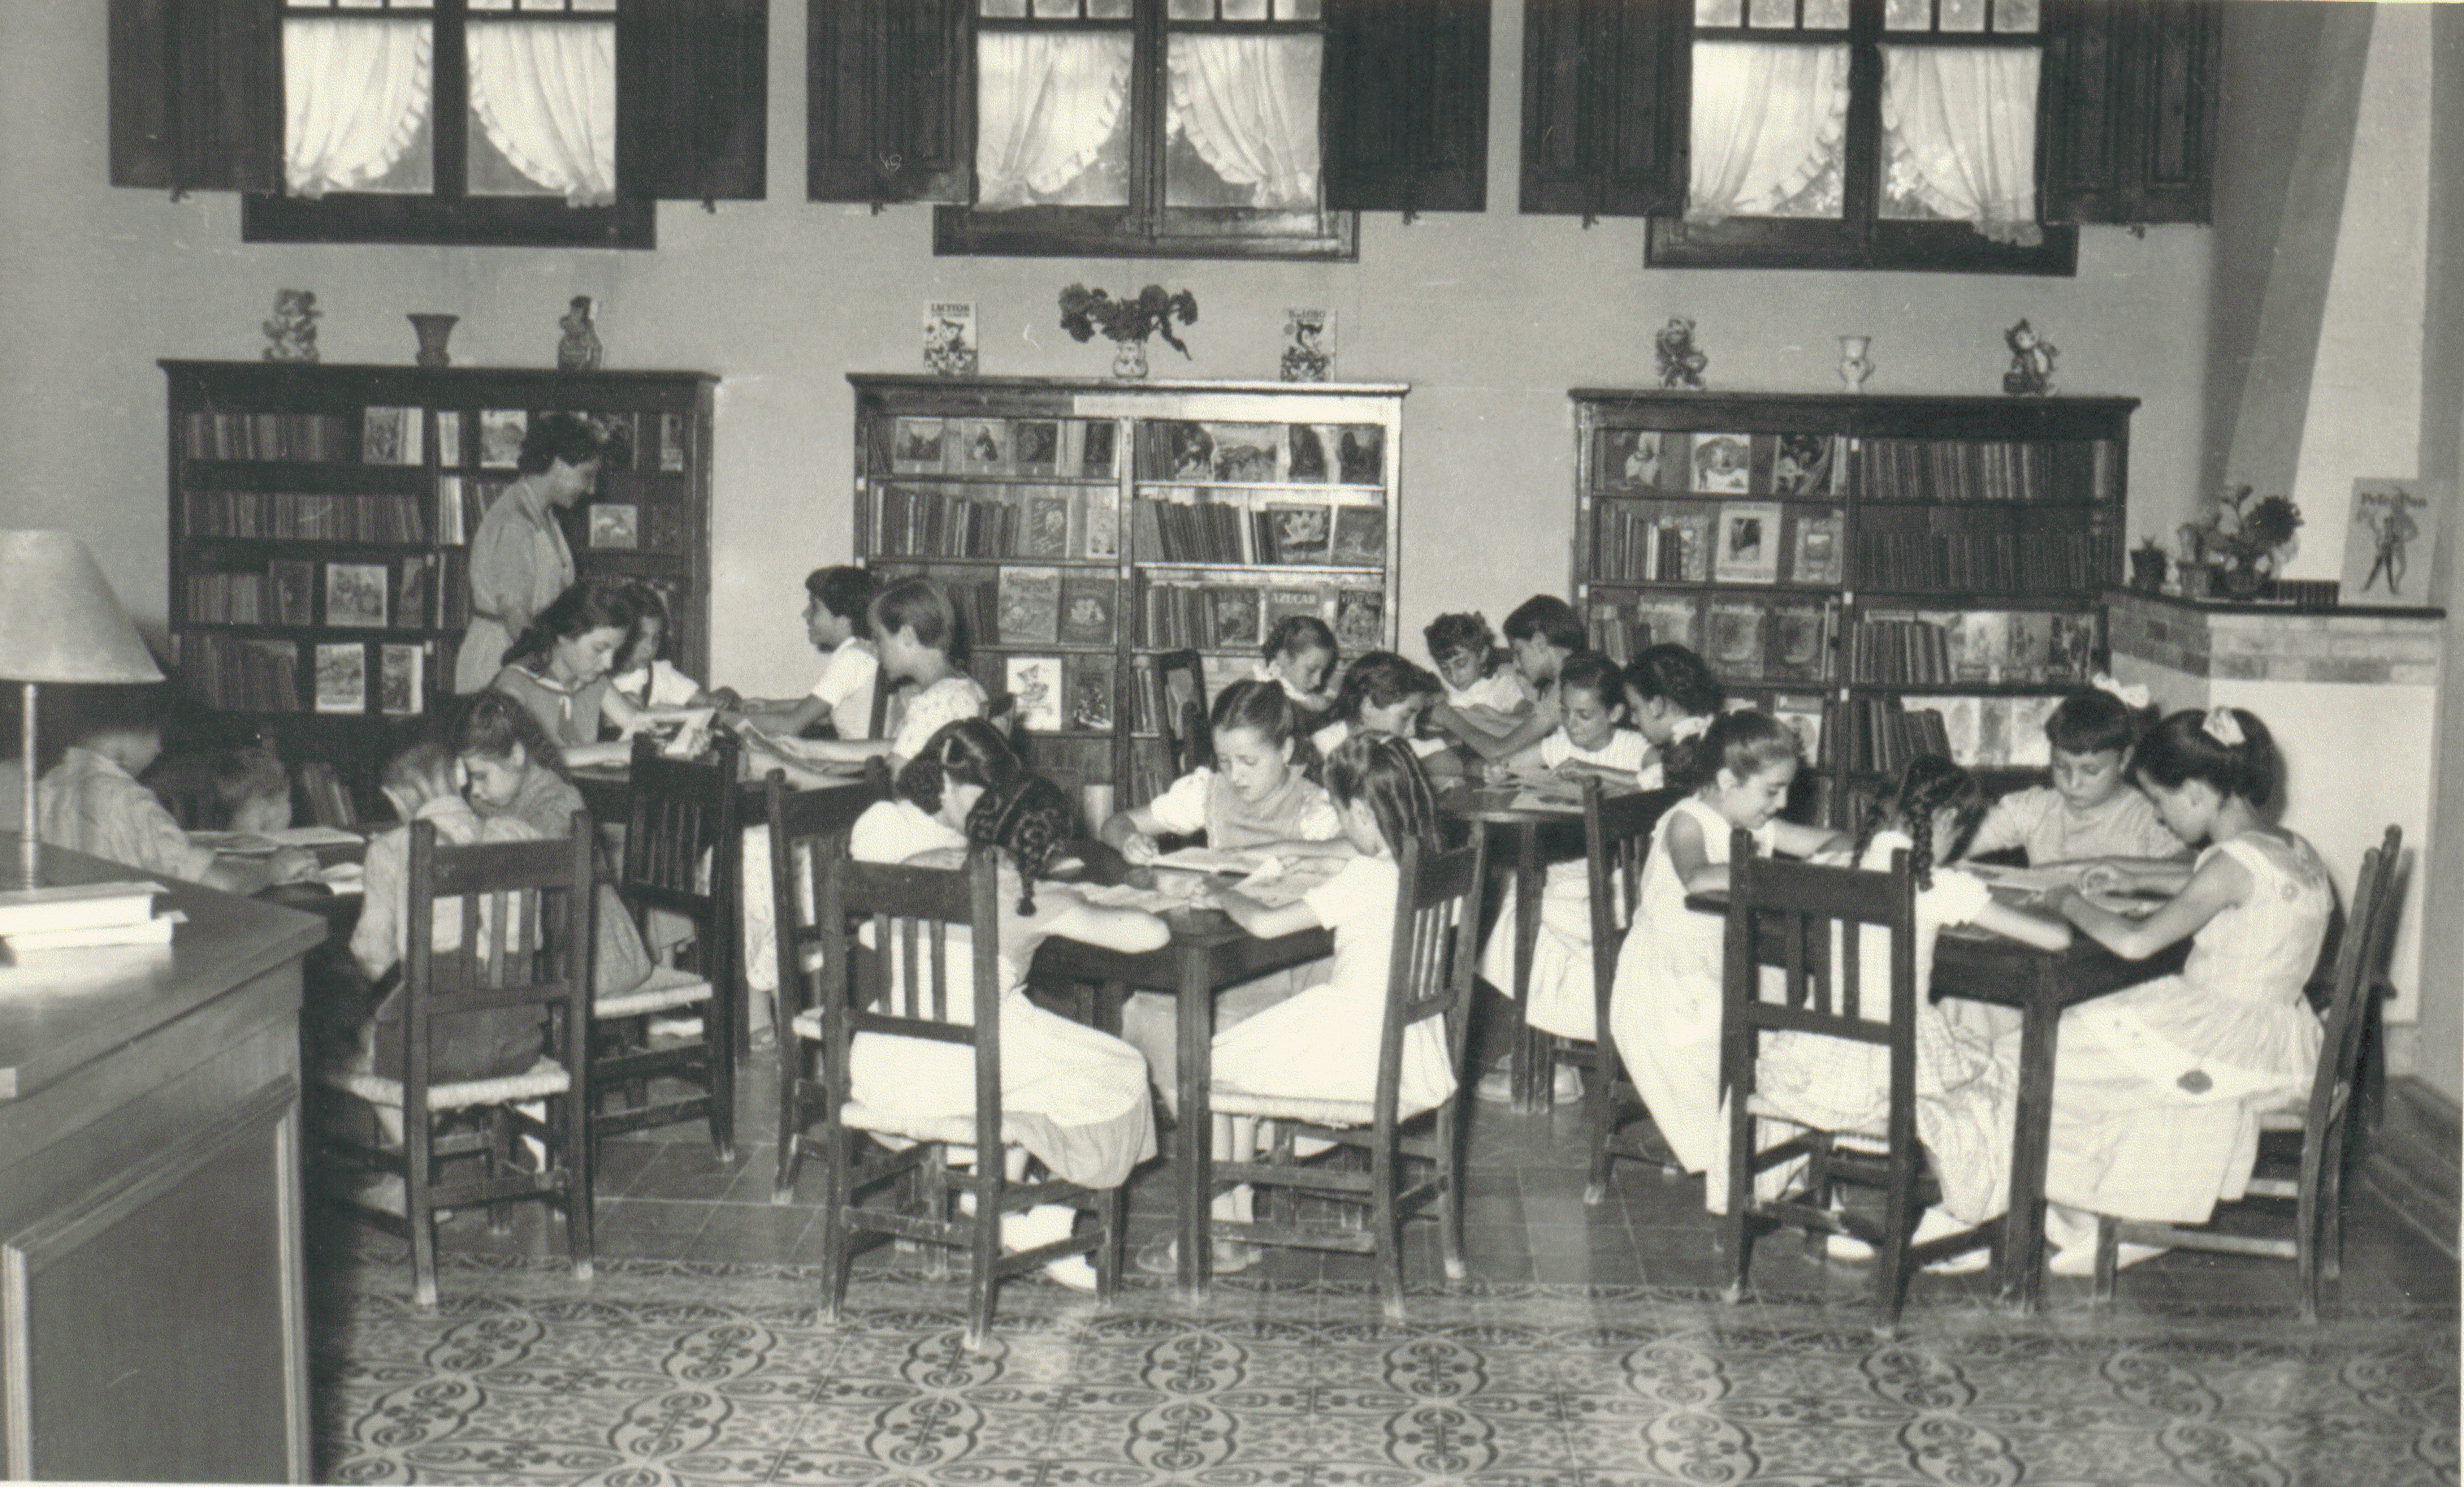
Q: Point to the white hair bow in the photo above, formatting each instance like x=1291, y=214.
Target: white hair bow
x=1692, y=726
x=2133, y=696
x=2223, y=727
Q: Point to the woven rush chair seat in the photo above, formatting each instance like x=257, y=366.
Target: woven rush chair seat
x=664, y=988
x=540, y=1080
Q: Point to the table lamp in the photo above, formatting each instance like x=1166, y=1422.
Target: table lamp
x=59, y=622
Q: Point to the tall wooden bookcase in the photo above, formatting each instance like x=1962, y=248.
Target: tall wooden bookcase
x=1085, y=526
x=1889, y=575
x=320, y=519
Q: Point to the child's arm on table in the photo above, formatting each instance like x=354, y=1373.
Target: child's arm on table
x=1131, y=833
x=1809, y=842
x=789, y=715
x=2219, y=885
x=2132, y=874
x=1260, y=920
x=1523, y=734
x=1132, y=932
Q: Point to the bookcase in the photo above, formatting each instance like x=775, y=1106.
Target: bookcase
x=320, y=519
x=1085, y=526
x=1887, y=574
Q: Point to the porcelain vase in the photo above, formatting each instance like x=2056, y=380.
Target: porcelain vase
x=1129, y=361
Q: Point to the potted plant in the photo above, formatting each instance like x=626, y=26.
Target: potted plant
x=1129, y=322
x=2249, y=541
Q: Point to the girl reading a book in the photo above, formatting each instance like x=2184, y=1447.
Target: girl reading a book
x=921, y=642
x=1300, y=654
x=558, y=666
x=519, y=559
x=644, y=678
x=2090, y=810
x=1384, y=693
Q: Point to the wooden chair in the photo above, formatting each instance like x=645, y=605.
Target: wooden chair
x=2322, y=1124
x=524, y=908
x=1435, y=950
x=808, y=829
x=1181, y=682
x=1805, y=919
x=916, y=987
x=1617, y=844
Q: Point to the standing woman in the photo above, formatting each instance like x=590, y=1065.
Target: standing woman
x=519, y=560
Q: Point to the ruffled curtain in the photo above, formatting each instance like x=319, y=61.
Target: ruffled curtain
x=1959, y=135
x=546, y=96
x=356, y=93
x=1769, y=121
x=1249, y=106
x=1046, y=106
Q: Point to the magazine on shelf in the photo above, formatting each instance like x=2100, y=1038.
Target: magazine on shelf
x=1747, y=550
x=1630, y=459
x=399, y=682
x=1251, y=453
x=1028, y=610
x=1308, y=458
x=342, y=678
x=1088, y=602
x=1722, y=464
x=1670, y=620
x=1090, y=692
x=1360, y=454
x=1044, y=522
x=984, y=446
x=916, y=445
x=1805, y=465
x=615, y=524
x=1300, y=534
x=1035, y=446
x=1359, y=618
x=1035, y=689
x=1360, y=535
x=501, y=436
x=1814, y=547
x=355, y=595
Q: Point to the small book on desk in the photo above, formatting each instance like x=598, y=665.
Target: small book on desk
x=142, y=931
x=85, y=906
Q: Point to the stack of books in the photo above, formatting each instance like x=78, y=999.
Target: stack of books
x=87, y=914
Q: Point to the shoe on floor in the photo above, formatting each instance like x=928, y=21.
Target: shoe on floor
x=1162, y=1256
x=1497, y=1085
x=2079, y=1260
x=1933, y=1224
x=1043, y=1224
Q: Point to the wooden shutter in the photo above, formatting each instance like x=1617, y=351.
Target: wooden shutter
x=196, y=95
x=1405, y=95
x=693, y=102
x=2128, y=111
x=1605, y=101
x=889, y=101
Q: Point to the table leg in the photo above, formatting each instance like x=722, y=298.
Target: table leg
x=2023, y=1233
x=1194, y=1156
x=1532, y=1086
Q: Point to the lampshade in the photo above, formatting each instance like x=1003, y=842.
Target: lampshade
x=59, y=621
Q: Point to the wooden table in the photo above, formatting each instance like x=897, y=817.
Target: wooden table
x=1207, y=953
x=1533, y=846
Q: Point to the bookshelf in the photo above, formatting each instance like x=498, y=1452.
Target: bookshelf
x=1086, y=526
x=320, y=519
x=1889, y=575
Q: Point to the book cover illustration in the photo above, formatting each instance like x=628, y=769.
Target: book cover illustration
x=1360, y=454
x=1748, y=543
x=399, y=682
x=1103, y=526
x=501, y=436
x=1252, y=453
x=1188, y=453
x=2071, y=652
x=295, y=586
x=1035, y=688
x=1281, y=604
x=1722, y=463
x=1630, y=458
x=1359, y=618
x=2030, y=655
x=615, y=524
x=1029, y=606
x=950, y=337
x=355, y=595
x=1814, y=556
x=410, y=592
x=1801, y=715
x=663, y=527
x=1300, y=534
x=342, y=678
x=1309, y=346
x=916, y=445
x=1979, y=643
x=984, y=446
x=1804, y=465
x=2030, y=749
x=1963, y=722
x=1670, y=620
x=1360, y=535
x=1797, y=635
x=1307, y=456
x=1090, y=692
x=2387, y=543
x=1043, y=528
x=1099, y=448
x=1734, y=629
x=390, y=436
x=1035, y=446
x=671, y=442
x=1234, y=608
x=449, y=437
x=1088, y=602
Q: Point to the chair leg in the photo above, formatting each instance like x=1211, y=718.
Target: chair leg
x=499, y=1164
x=932, y=1194
x=1387, y=1227
x=835, y=1258
x=719, y=1042
x=2108, y=1254
x=1113, y=1212
x=572, y=1123
x=1600, y=1116
x=1451, y=1197
x=795, y=1056
x=984, y=1250
x=417, y=1215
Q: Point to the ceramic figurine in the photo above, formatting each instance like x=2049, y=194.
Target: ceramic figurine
x=1681, y=366
x=579, y=350
x=293, y=330
x=1855, y=365
x=2031, y=362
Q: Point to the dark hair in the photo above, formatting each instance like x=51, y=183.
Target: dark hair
x=1298, y=633
x=649, y=605
x=1032, y=819
x=1550, y=619
x=244, y=774
x=1594, y=673
x=592, y=604
x=969, y=751
x=1929, y=783
x=1677, y=674
x=847, y=593
x=1382, y=770
x=2181, y=748
x=1745, y=742
x=559, y=436
x=426, y=758
x=1264, y=705
x=1381, y=679
x=98, y=708
x=492, y=722
x=920, y=606
x=2093, y=721
x=1464, y=630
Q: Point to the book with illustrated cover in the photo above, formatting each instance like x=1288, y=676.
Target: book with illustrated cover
x=1043, y=525
x=391, y=436
x=1300, y=534
x=1099, y=448
x=1186, y=452
x=294, y=585
x=662, y=526
x=915, y=445
x=410, y=592
x=501, y=436
x=1282, y=604
x=1748, y=548
x=615, y=524
x=1029, y=606
x=1359, y=618
x=671, y=440
x=1630, y=459
x=1088, y=602
x=2030, y=749
x=1233, y=609
x=2072, y=654
x=1670, y=620
x=342, y=678
x=1103, y=521
x=1687, y=539
x=1360, y=535
x=449, y=438
x=984, y=446
x=1804, y=465
x=1802, y=716
x=400, y=687
x=1247, y=452
x=1307, y=459
x=1979, y=645
x=1034, y=684
x=1309, y=346
x=1035, y=446
x=1814, y=547
x=1090, y=692
x=1798, y=634
x=356, y=595
x=1733, y=639
x=2031, y=653
x=950, y=348
x=1360, y=454
x=1722, y=464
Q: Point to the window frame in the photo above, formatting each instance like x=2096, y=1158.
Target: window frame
x=1861, y=238
x=1147, y=228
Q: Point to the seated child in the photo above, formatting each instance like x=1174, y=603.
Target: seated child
x=1485, y=692
x=920, y=638
x=558, y=668
x=243, y=790
x=1300, y=654
x=1670, y=696
x=837, y=625
x=92, y=802
x=1541, y=633
x=1590, y=737
x=1384, y=693
x=642, y=677
x=2090, y=811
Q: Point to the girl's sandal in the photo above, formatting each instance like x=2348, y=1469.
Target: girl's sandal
x=1161, y=1256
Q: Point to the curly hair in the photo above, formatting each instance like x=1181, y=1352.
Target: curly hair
x=559, y=436
x=601, y=604
x=1929, y=784
x=1381, y=679
x=2182, y=748
x=1465, y=630
x=969, y=751
x=846, y=593
x=492, y=722
x=1031, y=819
x=1745, y=742
x=1678, y=674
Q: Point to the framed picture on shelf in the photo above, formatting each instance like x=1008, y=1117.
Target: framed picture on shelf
x=342, y=678
x=355, y=595
x=1748, y=543
x=501, y=436
x=615, y=524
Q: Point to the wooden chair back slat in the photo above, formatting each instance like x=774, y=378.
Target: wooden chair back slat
x=1435, y=951
x=2368, y=927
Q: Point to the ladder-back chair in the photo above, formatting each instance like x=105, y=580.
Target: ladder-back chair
x=808, y=829
x=1617, y=844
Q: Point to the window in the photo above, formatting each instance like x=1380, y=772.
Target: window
x=1880, y=134
x=1169, y=127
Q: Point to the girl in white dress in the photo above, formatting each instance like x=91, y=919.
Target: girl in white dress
x=1384, y=693
x=1665, y=1007
x=1072, y=1097
x=2158, y=1089
x=1670, y=696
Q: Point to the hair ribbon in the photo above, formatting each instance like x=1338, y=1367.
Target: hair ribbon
x=2223, y=727
x=2133, y=696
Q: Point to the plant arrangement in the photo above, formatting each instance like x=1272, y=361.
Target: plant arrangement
x=1083, y=311
x=2248, y=541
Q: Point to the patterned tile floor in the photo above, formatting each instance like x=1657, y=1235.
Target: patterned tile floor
x=1585, y=1352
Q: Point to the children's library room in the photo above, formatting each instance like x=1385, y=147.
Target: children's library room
x=1233, y=741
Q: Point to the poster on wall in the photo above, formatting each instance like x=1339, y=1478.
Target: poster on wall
x=2388, y=541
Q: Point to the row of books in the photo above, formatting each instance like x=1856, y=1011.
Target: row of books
x=1793, y=467
x=1072, y=447
x=1999, y=562
x=2031, y=646
x=993, y=521
x=1732, y=542
x=308, y=518
x=1351, y=454
x=267, y=436
x=232, y=673
x=1981, y=733
x=405, y=594
x=1961, y=470
x=1184, y=525
x=398, y=435
x=1757, y=640
x=227, y=598
x=1174, y=614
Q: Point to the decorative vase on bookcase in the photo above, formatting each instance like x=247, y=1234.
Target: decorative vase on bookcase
x=433, y=330
x=1130, y=360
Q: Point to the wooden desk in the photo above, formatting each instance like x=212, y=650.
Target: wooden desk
x=1207, y=953
x=152, y=1324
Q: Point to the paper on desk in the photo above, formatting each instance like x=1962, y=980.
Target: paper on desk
x=1279, y=881
x=345, y=878
x=2033, y=880
x=1539, y=798
x=1204, y=858
x=1155, y=901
